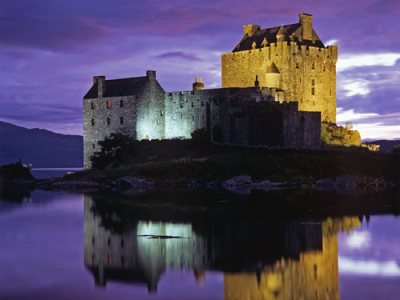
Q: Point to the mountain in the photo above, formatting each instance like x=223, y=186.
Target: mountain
x=39, y=147
x=385, y=145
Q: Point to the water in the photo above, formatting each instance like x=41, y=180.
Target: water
x=43, y=173
x=203, y=245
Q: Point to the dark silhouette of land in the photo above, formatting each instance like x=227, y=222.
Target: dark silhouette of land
x=39, y=147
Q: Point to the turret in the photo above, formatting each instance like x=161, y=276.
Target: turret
x=272, y=76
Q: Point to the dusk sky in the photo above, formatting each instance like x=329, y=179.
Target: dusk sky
x=50, y=50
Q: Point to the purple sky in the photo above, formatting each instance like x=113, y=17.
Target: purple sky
x=51, y=49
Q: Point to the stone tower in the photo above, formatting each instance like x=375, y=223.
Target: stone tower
x=291, y=58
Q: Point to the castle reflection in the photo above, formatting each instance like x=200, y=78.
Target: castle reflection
x=261, y=259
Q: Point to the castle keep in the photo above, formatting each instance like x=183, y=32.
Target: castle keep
x=276, y=84
x=290, y=58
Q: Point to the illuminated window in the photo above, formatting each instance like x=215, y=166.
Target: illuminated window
x=108, y=121
x=121, y=120
x=93, y=105
x=108, y=104
x=109, y=260
x=92, y=122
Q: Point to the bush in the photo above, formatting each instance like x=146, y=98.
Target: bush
x=199, y=138
x=116, y=149
x=396, y=149
x=15, y=171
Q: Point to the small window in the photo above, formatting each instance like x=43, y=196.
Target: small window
x=313, y=66
x=300, y=79
x=121, y=103
x=109, y=242
x=297, y=65
x=93, y=105
x=312, y=91
x=161, y=113
x=108, y=104
x=122, y=243
x=108, y=121
x=109, y=260
x=94, y=146
x=313, y=82
x=193, y=118
x=121, y=120
x=92, y=122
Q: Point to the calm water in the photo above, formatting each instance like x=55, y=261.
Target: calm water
x=57, y=245
x=42, y=173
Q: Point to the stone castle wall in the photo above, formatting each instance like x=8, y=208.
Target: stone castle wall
x=306, y=74
x=101, y=119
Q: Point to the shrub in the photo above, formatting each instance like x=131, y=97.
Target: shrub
x=199, y=137
x=116, y=149
x=396, y=149
x=15, y=171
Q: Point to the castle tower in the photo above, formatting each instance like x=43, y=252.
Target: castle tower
x=291, y=58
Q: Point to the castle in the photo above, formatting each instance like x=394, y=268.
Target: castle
x=277, y=86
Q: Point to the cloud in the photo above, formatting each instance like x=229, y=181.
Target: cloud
x=178, y=55
x=348, y=61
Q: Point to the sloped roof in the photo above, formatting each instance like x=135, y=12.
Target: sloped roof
x=118, y=87
x=270, y=35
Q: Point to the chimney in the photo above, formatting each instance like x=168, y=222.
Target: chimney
x=198, y=85
x=151, y=75
x=101, y=85
x=306, y=21
x=250, y=29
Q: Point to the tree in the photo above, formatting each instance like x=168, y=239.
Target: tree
x=396, y=149
x=116, y=149
x=200, y=137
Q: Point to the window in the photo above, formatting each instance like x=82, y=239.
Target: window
x=94, y=146
x=192, y=103
x=93, y=105
x=313, y=91
x=193, y=118
x=92, y=122
x=313, y=66
x=313, y=82
x=121, y=120
x=161, y=113
x=297, y=65
x=108, y=121
x=108, y=104
x=121, y=103
x=122, y=243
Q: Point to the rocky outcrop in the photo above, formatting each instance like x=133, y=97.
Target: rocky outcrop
x=133, y=184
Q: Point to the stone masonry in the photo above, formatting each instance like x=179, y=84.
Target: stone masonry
x=290, y=58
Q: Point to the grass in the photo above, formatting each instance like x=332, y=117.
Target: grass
x=181, y=161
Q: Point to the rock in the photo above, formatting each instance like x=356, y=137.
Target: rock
x=326, y=182
x=128, y=182
x=73, y=185
x=238, y=180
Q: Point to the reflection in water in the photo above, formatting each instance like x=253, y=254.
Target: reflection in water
x=260, y=259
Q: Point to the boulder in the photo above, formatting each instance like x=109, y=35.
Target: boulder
x=238, y=180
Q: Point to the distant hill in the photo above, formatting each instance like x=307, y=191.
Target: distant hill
x=385, y=145
x=39, y=147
